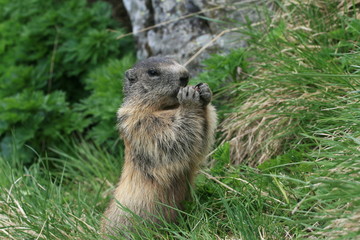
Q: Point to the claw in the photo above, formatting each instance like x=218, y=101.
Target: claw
x=197, y=87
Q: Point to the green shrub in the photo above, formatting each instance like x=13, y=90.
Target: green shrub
x=105, y=85
x=47, y=50
x=224, y=69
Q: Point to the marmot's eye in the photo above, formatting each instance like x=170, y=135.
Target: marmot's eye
x=153, y=73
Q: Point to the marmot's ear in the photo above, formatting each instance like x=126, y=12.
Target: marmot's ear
x=130, y=75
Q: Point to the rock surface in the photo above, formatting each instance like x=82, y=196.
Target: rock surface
x=182, y=37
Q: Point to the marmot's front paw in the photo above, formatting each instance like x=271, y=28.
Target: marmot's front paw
x=189, y=96
x=205, y=92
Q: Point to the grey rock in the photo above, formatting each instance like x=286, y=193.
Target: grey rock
x=180, y=37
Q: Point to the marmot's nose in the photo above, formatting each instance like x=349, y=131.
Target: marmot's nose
x=184, y=79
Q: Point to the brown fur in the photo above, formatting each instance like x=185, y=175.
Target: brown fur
x=166, y=138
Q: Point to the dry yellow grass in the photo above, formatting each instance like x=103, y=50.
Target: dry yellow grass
x=260, y=133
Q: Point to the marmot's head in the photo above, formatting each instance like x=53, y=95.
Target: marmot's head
x=156, y=80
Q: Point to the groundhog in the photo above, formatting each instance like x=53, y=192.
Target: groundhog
x=168, y=129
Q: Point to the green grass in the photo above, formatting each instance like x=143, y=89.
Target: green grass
x=298, y=93
x=61, y=203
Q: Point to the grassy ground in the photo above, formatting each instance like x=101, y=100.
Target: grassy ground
x=296, y=100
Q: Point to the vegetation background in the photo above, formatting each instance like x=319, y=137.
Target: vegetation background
x=287, y=160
